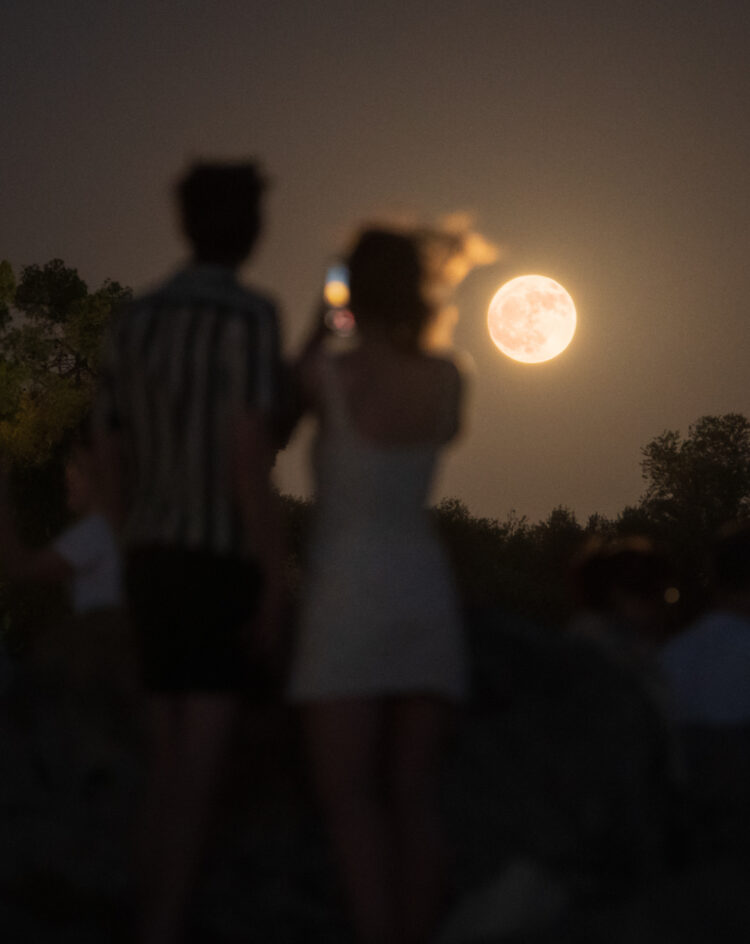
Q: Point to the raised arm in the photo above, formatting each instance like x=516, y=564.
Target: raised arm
x=298, y=399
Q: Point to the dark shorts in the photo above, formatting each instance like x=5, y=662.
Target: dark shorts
x=189, y=610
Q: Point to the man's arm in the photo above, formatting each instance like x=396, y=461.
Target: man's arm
x=295, y=398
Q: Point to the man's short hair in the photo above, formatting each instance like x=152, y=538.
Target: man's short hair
x=220, y=207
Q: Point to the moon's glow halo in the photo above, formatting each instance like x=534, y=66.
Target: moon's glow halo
x=531, y=318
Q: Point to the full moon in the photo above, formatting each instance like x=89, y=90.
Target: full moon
x=532, y=319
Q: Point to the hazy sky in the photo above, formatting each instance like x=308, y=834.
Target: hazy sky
x=605, y=144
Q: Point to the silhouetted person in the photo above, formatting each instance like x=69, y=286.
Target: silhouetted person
x=81, y=667
x=187, y=403
x=621, y=590
x=85, y=556
x=380, y=660
x=707, y=668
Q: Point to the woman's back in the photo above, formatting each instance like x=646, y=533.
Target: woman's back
x=380, y=612
x=399, y=398
x=384, y=418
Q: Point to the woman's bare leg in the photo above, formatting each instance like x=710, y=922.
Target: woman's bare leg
x=190, y=736
x=345, y=740
x=417, y=727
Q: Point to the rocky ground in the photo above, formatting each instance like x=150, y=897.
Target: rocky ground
x=551, y=787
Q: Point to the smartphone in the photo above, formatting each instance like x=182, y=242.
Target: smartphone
x=336, y=289
x=336, y=293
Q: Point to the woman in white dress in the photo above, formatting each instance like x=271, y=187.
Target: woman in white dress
x=380, y=660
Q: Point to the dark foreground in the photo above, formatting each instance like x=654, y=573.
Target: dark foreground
x=550, y=799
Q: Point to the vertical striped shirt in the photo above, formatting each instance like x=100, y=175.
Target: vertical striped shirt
x=180, y=365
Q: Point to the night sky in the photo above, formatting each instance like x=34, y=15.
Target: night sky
x=605, y=144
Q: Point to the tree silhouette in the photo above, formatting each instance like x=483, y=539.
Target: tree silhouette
x=694, y=485
x=703, y=479
x=51, y=328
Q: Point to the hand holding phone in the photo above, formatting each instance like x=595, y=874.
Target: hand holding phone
x=338, y=318
x=336, y=288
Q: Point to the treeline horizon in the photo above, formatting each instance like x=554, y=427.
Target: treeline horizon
x=51, y=327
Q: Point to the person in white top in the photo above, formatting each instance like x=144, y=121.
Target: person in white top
x=85, y=556
x=90, y=550
x=79, y=670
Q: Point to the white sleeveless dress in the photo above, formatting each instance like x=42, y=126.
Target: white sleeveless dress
x=380, y=613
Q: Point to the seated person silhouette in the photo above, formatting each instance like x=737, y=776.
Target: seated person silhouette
x=707, y=670
x=85, y=555
x=84, y=558
x=79, y=675
x=619, y=588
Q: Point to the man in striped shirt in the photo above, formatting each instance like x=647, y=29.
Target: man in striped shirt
x=190, y=391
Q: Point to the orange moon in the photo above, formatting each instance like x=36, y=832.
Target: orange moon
x=531, y=319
